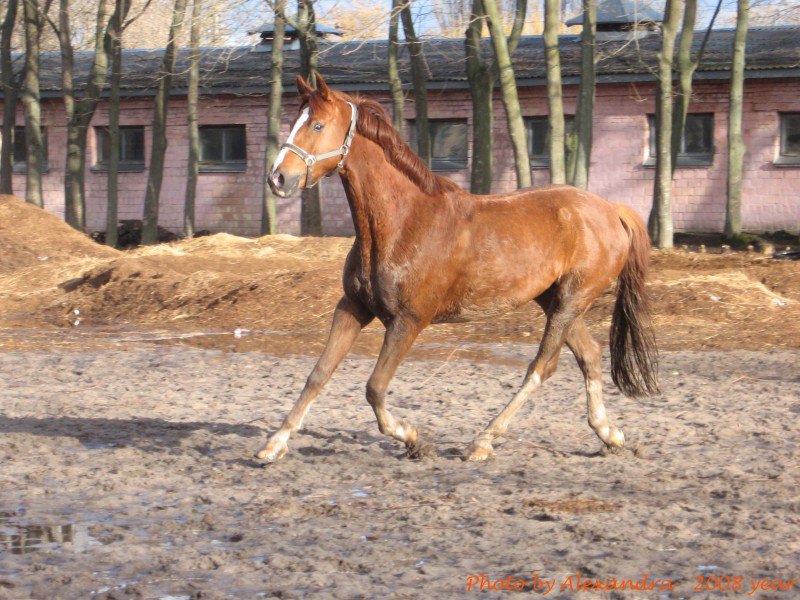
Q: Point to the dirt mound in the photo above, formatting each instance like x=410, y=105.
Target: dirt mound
x=31, y=236
x=288, y=284
x=218, y=282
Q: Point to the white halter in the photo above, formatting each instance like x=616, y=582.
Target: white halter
x=311, y=159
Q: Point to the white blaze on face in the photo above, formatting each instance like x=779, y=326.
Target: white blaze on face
x=301, y=120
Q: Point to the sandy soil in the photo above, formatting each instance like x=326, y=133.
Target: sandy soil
x=129, y=411
x=126, y=475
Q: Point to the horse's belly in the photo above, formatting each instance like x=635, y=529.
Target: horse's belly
x=476, y=312
x=493, y=299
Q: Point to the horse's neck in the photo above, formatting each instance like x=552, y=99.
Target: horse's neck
x=381, y=198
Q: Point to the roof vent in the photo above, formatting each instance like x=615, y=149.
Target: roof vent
x=266, y=33
x=622, y=20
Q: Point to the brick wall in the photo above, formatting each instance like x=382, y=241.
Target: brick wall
x=232, y=201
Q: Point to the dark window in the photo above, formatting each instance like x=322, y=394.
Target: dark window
x=697, y=141
x=538, y=132
x=131, y=147
x=448, y=143
x=223, y=148
x=790, y=139
x=21, y=149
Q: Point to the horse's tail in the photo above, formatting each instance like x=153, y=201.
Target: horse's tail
x=634, y=356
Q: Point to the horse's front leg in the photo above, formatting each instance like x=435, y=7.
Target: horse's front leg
x=400, y=335
x=348, y=320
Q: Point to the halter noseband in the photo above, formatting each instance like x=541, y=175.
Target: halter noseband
x=343, y=150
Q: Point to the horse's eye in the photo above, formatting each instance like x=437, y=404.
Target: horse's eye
x=318, y=126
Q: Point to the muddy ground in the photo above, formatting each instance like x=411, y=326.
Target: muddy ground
x=126, y=430
x=126, y=474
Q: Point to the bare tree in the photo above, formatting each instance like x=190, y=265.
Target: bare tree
x=116, y=26
x=736, y=147
x=192, y=97
x=159, y=143
x=686, y=69
x=555, y=104
x=508, y=86
x=269, y=218
x=419, y=82
x=306, y=26
x=79, y=111
x=10, y=86
x=481, y=82
x=661, y=229
x=395, y=83
x=33, y=16
x=482, y=77
x=580, y=155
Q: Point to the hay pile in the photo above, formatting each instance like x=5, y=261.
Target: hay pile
x=287, y=284
x=30, y=236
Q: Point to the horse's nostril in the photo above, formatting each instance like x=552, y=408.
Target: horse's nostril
x=277, y=180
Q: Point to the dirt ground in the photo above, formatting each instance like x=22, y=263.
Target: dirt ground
x=126, y=430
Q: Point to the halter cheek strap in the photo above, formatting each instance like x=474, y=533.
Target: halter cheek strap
x=343, y=151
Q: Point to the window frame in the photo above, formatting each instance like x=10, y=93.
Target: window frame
x=684, y=159
x=22, y=166
x=224, y=165
x=785, y=159
x=442, y=163
x=125, y=165
x=542, y=161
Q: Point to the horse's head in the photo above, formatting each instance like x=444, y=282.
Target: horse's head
x=319, y=140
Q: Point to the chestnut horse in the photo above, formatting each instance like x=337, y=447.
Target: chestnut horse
x=428, y=252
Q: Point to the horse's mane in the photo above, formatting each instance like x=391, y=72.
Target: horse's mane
x=375, y=125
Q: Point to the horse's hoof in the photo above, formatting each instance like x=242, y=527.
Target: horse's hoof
x=272, y=452
x=420, y=448
x=476, y=453
x=616, y=439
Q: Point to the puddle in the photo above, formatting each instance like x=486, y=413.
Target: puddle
x=18, y=537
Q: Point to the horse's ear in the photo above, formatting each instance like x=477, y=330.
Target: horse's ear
x=322, y=87
x=302, y=87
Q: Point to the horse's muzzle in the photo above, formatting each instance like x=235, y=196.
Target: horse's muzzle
x=283, y=185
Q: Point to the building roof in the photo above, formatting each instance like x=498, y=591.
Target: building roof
x=269, y=27
x=771, y=52
x=620, y=12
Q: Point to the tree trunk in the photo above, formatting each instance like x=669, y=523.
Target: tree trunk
x=395, y=83
x=121, y=8
x=508, y=86
x=9, y=100
x=31, y=100
x=269, y=213
x=310, y=205
x=661, y=214
x=580, y=156
x=686, y=69
x=419, y=81
x=193, y=166
x=736, y=147
x=79, y=113
x=555, y=104
x=481, y=83
x=159, y=143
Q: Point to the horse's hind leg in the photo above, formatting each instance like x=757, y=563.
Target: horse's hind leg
x=587, y=353
x=561, y=315
x=400, y=335
x=349, y=319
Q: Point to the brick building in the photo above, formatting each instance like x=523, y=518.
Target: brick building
x=233, y=122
